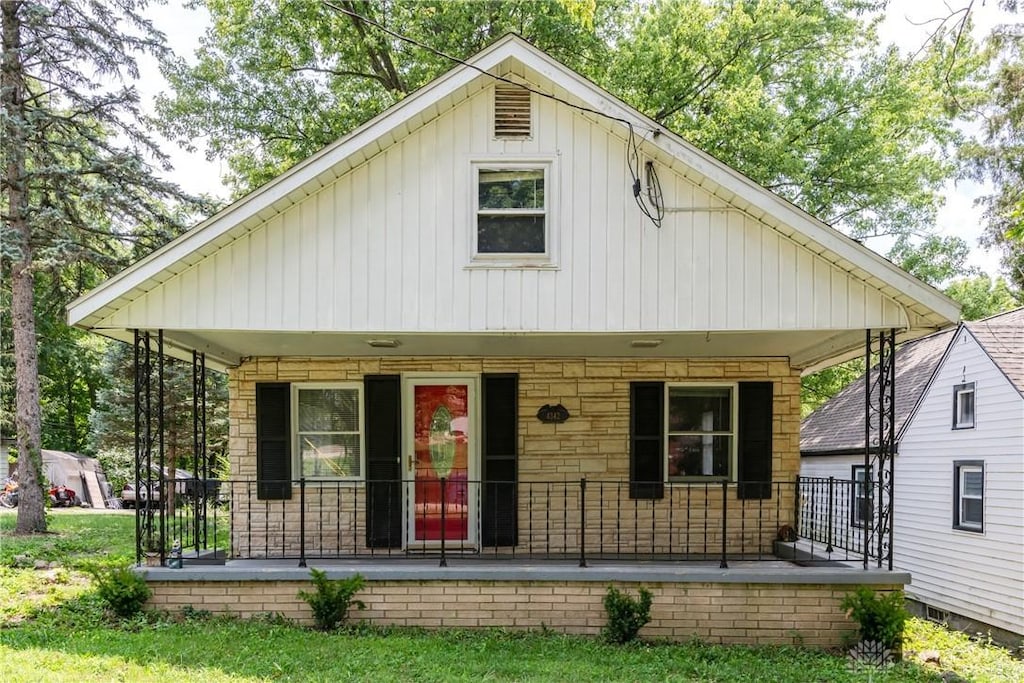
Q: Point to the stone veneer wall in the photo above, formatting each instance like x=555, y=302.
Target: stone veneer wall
x=735, y=613
x=593, y=443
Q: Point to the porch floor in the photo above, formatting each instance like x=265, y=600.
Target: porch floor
x=653, y=571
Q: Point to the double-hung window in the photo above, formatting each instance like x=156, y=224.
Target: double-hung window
x=969, y=495
x=963, y=406
x=328, y=430
x=860, y=503
x=513, y=212
x=701, y=431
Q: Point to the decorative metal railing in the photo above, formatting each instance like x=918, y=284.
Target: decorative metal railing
x=568, y=520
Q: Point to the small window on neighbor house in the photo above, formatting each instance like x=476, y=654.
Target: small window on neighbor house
x=512, y=211
x=701, y=431
x=860, y=502
x=328, y=430
x=969, y=495
x=963, y=406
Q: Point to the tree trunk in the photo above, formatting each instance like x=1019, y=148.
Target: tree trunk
x=31, y=517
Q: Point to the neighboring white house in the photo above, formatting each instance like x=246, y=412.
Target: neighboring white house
x=959, y=469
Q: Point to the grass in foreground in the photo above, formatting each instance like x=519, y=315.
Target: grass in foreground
x=52, y=623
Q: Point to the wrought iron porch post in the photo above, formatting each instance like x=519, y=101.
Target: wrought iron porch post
x=166, y=495
x=200, y=467
x=880, y=436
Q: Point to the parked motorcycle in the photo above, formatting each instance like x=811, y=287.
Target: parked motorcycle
x=9, y=495
x=63, y=497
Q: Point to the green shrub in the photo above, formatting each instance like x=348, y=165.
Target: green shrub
x=331, y=600
x=626, y=615
x=121, y=589
x=881, y=618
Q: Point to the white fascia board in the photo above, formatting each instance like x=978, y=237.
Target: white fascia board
x=830, y=239
x=289, y=185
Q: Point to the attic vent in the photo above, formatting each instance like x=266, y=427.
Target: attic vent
x=511, y=112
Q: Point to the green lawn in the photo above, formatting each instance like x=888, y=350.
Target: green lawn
x=52, y=624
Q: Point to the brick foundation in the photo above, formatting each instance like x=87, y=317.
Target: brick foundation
x=728, y=613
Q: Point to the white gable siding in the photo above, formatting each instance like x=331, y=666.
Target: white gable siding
x=387, y=245
x=978, y=575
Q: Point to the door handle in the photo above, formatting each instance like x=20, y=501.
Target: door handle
x=410, y=463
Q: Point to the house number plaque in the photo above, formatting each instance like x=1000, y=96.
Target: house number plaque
x=549, y=414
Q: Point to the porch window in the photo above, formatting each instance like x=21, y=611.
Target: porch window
x=860, y=503
x=963, y=406
x=701, y=431
x=969, y=495
x=328, y=430
x=512, y=213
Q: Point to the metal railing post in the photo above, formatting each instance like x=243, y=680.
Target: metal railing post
x=444, y=504
x=797, y=517
x=725, y=521
x=583, y=522
x=302, y=521
x=830, y=520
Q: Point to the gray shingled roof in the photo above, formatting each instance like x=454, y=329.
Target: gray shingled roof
x=1002, y=336
x=838, y=425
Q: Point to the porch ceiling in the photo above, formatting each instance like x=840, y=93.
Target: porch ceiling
x=226, y=348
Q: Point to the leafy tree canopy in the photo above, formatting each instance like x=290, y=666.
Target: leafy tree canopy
x=999, y=155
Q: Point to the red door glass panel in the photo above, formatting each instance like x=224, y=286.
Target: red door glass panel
x=441, y=450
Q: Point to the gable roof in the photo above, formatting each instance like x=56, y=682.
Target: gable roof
x=1002, y=337
x=922, y=308
x=838, y=425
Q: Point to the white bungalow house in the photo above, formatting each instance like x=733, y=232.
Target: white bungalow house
x=959, y=472
x=454, y=334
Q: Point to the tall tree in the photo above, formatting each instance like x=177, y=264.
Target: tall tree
x=77, y=176
x=999, y=155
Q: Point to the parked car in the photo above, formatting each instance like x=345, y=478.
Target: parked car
x=186, y=487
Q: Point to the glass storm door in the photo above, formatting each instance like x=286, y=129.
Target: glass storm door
x=442, y=418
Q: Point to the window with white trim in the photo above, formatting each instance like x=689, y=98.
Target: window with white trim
x=963, y=406
x=969, y=495
x=327, y=421
x=860, y=503
x=512, y=208
x=701, y=431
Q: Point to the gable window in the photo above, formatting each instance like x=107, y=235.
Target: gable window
x=969, y=495
x=963, y=406
x=328, y=430
x=701, y=432
x=512, y=212
x=860, y=503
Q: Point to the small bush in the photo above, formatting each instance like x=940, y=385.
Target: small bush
x=331, y=600
x=121, y=589
x=626, y=615
x=881, y=618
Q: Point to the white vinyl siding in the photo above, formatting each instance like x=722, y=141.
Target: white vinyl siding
x=385, y=247
x=978, y=575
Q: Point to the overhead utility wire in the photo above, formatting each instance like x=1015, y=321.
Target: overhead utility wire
x=655, y=213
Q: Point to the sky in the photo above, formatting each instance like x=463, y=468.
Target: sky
x=907, y=24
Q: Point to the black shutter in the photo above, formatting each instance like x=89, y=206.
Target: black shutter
x=646, y=440
x=383, y=415
x=273, y=441
x=499, y=523
x=755, y=441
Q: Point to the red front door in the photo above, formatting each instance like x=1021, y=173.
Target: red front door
x=443, y=437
